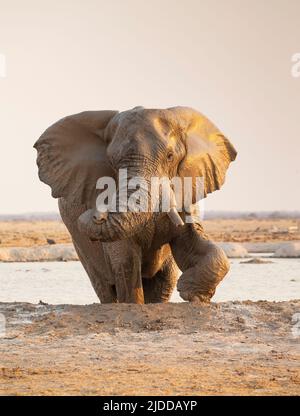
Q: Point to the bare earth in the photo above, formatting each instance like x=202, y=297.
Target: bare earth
x=32, y=233
x=229, y=348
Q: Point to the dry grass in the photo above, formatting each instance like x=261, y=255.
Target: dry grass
x=251, y=230
x=31, y=233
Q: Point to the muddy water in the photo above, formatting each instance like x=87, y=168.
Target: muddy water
x=67, y=282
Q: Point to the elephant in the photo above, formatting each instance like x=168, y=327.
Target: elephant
x=134, y=256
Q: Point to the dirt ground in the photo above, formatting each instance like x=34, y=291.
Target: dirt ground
x=31, y=233
x=232, y=348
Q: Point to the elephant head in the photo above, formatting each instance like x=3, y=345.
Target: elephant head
x=77, y=150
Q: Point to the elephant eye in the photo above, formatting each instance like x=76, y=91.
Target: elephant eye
x=170, y=156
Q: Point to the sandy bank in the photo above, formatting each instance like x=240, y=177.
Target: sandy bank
x=226, y=348
x=37, y=232
x=66, y=252
x=55, y=252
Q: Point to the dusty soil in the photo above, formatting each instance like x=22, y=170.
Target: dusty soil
x=31, y=233
x=228, y=348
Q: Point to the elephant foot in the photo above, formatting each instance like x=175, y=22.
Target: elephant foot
x=201, y=299
x=198, y=284
x=191, y=295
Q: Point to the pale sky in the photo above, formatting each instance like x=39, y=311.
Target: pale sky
x=230, y=59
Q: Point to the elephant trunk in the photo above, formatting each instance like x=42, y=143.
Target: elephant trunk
x=130, y=219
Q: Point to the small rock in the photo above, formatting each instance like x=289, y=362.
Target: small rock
x=233, y=250
x=256, y=260
x=289, y=249
x=51, y=241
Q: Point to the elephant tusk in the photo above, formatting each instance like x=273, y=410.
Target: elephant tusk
x=99, y=216
x=175, y=217
x=173, y=213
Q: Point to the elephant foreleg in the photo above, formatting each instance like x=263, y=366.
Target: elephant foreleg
x=202, y=262
x=90, y=253
x=160, y=287
x=124, y=260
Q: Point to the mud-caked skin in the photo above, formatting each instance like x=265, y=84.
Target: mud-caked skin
x=135, y=256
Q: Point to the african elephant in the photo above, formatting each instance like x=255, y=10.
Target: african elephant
x=133, y=256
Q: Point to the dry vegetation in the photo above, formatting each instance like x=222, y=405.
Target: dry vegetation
x=30, y=233
x=252, y=230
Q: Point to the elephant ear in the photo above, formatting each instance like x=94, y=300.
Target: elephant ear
x=208, y=151
x=72, y=155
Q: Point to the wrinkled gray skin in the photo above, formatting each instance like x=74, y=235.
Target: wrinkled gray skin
x=133, y=257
